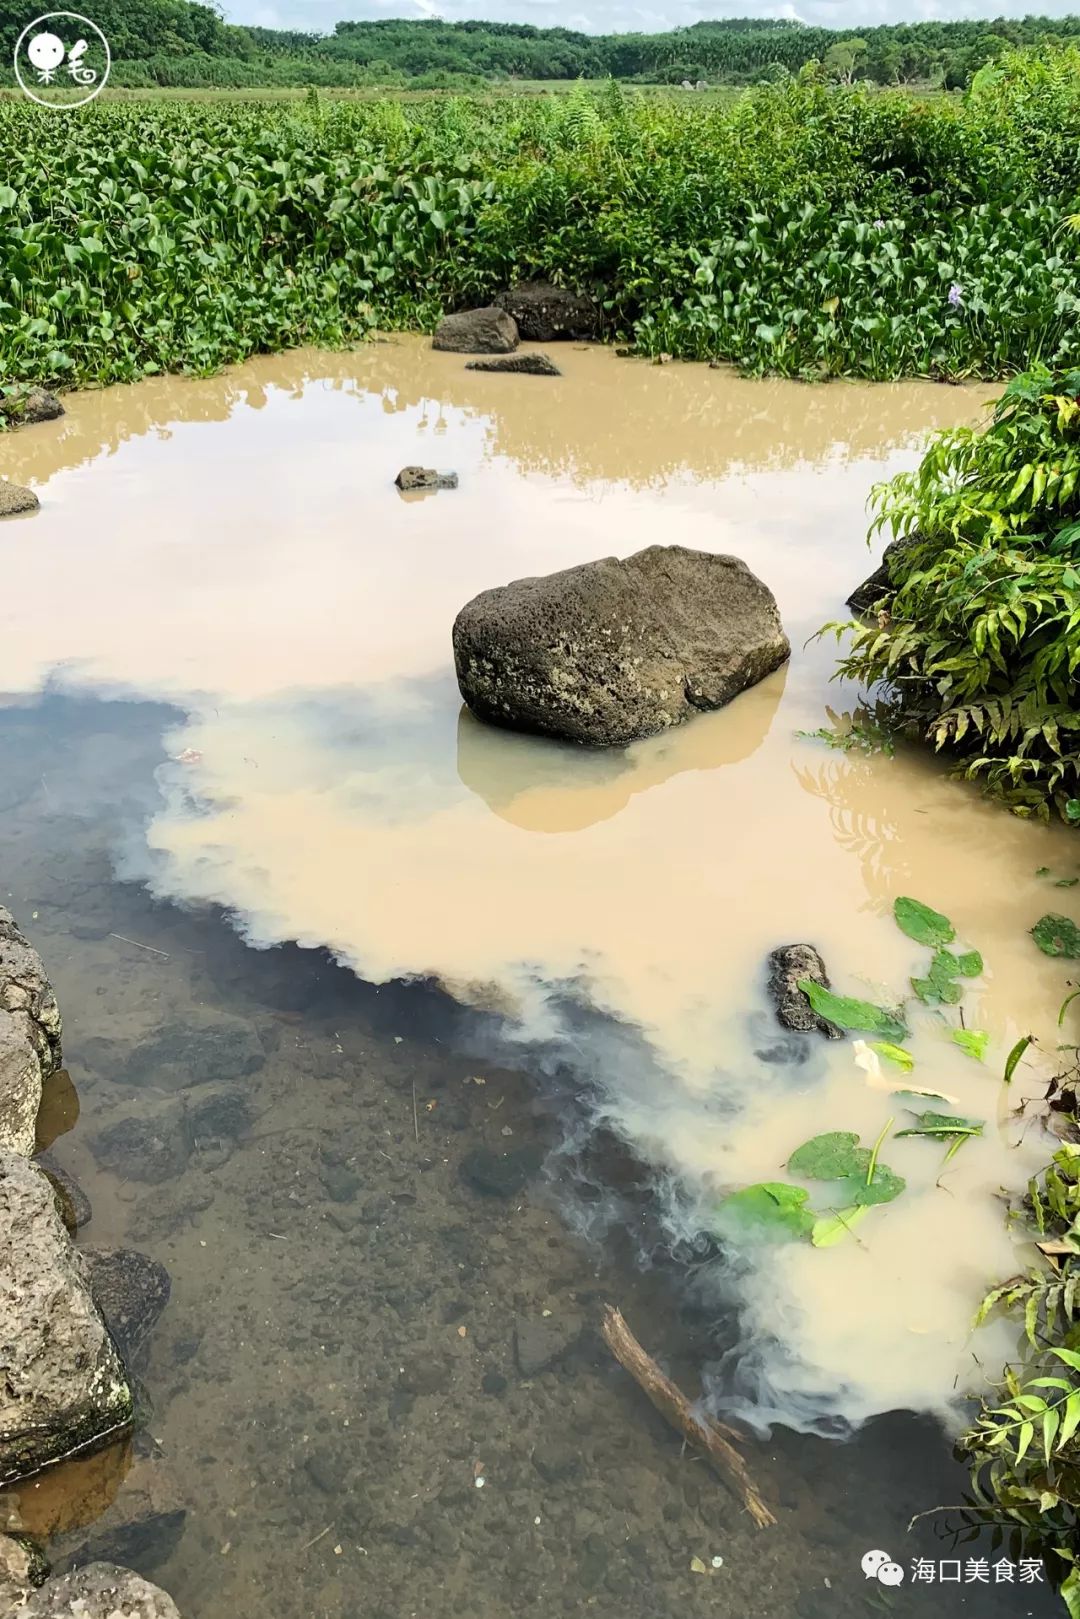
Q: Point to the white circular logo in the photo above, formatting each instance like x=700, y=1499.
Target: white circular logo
x=62, y=52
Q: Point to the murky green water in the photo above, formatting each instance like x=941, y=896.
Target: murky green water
x=381, y=1186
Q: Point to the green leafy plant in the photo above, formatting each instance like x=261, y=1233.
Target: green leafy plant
x=980, y=647
x=850, y=1013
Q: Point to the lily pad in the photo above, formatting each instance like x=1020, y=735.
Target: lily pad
x=850, y=1013
x=1057, y=936
x=883, y=1188
x=834, y=1156
x=922, y=924
x=771, y=1209
x=939, y=985
x=973, y=1041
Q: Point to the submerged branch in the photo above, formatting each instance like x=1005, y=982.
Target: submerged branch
x=713, y=1438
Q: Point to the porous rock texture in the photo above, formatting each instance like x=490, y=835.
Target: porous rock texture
x=614, y=650
x=99, y=1591
x=62, y=1386
x=545, y=313
x=477, y=331
x=29, y=1036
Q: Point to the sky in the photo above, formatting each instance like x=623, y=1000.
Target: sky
x=632, y=16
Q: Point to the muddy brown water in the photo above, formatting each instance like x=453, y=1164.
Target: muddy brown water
x=390, y=1033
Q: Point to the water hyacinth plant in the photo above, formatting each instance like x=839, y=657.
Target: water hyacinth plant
x=805, y=229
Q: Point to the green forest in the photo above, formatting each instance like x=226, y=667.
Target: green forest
x=180, y=43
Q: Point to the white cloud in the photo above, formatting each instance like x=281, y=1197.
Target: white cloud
x=623, y=16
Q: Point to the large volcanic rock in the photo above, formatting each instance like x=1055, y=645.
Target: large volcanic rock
x=477, y=331
x=29, y=1036
x=62, y=1387
x=618, y=649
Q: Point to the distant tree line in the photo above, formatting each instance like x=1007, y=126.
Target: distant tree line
x=182, y=42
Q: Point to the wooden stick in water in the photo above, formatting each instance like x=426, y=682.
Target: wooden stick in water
x=711, y=1437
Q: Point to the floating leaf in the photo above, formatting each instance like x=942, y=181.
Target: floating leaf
x=943, y=1126
x=1057, y=936
x=770, y=1209
x=833, y=1228
x=850, y=1013
x=830, y=1157
x=922, y=924
x=1066, y=882
x=973, y=1041
x=939, y=985
x=894, y=1054
x=970, y=964
x=883, y=1188
x=697, y=1566
x=925, y=1095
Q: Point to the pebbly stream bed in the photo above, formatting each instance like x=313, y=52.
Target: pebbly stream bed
x=405, y=1044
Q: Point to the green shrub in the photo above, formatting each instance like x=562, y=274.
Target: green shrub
x=803, y=229
x=979, y=648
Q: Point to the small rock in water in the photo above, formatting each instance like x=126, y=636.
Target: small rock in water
x=71, y=1201
x=196, y=1050
x=141, y=1149
x=878, y=589
x=14, y=499
x=498, y=1174
x=410, y=479
x=339, y=1183
x=477, y=331
x=527, y=365
x=540, y=1341
x=131, y=1290
x=786, y=966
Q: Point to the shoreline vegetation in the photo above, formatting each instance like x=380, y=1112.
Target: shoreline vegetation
x=805, y=229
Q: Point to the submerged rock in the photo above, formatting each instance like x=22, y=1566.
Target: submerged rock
x=131, y=1290
x=615, y=650
x=786, y=966
x=72, y=1203
x=144, y=1149
x=476, y=331
x=62, y=1386
x=140, y=1529
x=413, y=478
x=99, y=1591
x=203, y=1047
x=29, y=1036
x=545, y=313
x=878, y=590
x=499, y=1174
x=528, y=365
x=540, y=1341
x=14, y=499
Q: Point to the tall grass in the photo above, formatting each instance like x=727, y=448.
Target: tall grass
x=803, y=229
